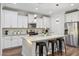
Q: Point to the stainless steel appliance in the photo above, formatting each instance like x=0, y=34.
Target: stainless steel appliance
x=32, y=25
x=72, y=30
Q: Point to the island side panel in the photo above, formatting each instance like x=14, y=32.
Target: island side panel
x=33, y=48
x=27, y=47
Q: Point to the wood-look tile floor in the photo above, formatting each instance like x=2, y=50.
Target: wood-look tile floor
x=12, y=52
x=70, y=51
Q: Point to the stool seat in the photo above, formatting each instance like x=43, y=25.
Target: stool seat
x=41, y=43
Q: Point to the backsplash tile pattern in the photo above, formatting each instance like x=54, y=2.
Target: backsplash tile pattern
x=21, y=31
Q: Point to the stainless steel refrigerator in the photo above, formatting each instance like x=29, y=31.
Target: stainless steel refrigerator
x=72, y=32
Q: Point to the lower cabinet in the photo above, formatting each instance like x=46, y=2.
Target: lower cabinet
x=10, y=42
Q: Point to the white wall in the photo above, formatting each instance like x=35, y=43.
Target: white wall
x=57, y=28
x=0, y=31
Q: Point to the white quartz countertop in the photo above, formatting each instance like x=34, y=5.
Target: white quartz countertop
x=42, y=38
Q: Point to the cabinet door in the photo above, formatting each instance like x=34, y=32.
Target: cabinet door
x=46, y=22
x=14, y=41
x=10, y=19
x=7, y=19
x=14, y=19
x=19, y=41
x=71, y=17
x=3, y=19
x=75, y=16
x=68, y=17
x=19, y=21
x=7, y=42
x=2, y=43
x=39, y=22
x=31, y=18
x=24, y=21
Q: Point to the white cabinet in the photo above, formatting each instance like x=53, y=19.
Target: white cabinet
x=6, y=42
x=39, y=22
x=19, y=21
x=22, y=21
x=9, y=19
x=46, y=22
x=3, y=19
x=68, y=18
x=31, y=18
x=75, y=16
x=71, y=17
x=11, y=41
x=43, y=22
x=19, y=41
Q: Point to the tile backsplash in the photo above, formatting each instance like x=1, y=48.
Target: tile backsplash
x=20, y=31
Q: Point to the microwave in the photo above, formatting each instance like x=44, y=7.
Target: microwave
x=32, y=25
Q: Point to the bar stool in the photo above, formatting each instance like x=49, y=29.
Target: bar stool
x=53, y=42
x=41, y=45
x=60, y=44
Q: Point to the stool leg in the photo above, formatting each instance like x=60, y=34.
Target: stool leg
x=40, y=50
x=36, y=50
x=46, y=50
x=60, y=47
x=52, y=48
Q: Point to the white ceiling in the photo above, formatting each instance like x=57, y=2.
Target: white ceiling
x=43, y=8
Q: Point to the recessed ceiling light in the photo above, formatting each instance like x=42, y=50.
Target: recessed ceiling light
x=71, y=4
x=57, y=4
x=36, y=8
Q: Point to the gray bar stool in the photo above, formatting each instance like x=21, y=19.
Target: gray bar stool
x=41, y=45
x=60, y=44
x=53, y=42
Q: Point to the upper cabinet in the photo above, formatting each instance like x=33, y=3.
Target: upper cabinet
x=39, y=22
x=42, y=22
x=31, y=18
x=71, y=17
x=25, y=21
x=9, y=19
x=3, y=19
x=19, y=21
x=46, y=22
x=22, y=21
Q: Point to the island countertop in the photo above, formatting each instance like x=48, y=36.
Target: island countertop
x=42, y=37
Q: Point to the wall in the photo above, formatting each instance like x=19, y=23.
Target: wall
x=57, y=27
x=0, y=31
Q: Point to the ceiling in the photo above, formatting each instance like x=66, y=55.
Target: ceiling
x=43, y=8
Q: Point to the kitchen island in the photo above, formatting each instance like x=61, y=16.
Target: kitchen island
x=29, y=43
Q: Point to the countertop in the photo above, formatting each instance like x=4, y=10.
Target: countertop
x=42, y=37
